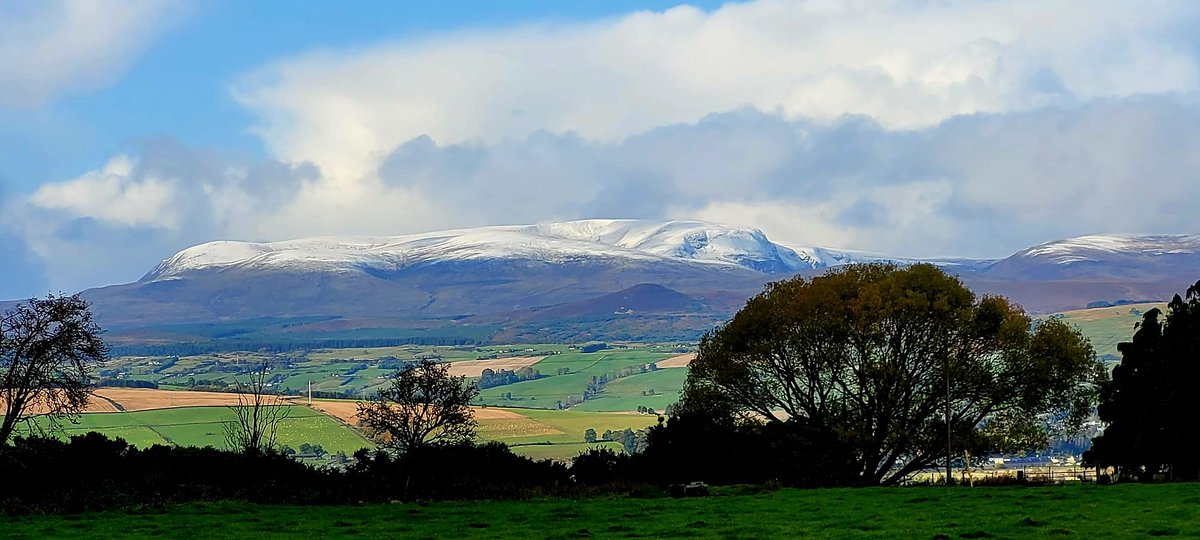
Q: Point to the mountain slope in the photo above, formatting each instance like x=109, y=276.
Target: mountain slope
x=1119, y=257
x=629, y=240
x=668, y=277
x=644, y=298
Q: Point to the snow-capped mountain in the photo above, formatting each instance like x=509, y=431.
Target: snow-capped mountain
x=1107, y=256
x=510, y=276
x=628, y=240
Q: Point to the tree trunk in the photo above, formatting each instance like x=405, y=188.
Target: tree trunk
x=6, y=428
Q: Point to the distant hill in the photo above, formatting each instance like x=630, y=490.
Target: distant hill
x=627, y=278
x=641, y=299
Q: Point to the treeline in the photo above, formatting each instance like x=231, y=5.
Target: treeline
x=490, y=378
x=119, y=475
x=125, y=383
x=109, y=473
x=272, y=346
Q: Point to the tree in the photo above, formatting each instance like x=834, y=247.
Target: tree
x=1150, y=405
x=421, y=405
x=589, y=435
x=48, y=351
x=878, y=357
x=259, y=413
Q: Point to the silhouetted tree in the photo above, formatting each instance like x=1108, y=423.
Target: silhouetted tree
x=422, y=404
x=866, y=356
x=1151, y=404
x=259, y=413
x=48, y=351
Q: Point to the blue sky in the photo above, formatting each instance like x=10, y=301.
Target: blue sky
x=179, y=85
x=130, y=130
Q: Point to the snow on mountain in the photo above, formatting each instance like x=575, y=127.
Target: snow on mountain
x=691, y=241
x=1095, y=248
x=664, y=241
x=1106, y=257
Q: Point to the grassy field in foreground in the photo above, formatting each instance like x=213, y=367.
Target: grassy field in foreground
x=1124, y=511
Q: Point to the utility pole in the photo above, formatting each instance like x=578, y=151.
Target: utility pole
x=310, y=392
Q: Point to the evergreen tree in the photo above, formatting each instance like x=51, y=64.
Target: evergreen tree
x=1150, y=405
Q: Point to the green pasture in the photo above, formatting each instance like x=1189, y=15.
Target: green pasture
x=1107, y=326
x=204, y=426
x=655, y=390
x=553, y=434
x=1120, y=511
x=545, y=393
x=540, y=434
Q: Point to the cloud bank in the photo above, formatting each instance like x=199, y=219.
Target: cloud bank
x=973, y=128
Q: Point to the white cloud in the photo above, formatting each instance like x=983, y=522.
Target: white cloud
x=974, y=128
x=112, y=224
x=904, y=64
x=112, y=195
x=51, y=47
x=982, y=185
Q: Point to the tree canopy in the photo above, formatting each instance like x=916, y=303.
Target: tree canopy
x=421, y=405
x=863, y=356
x=1151, y=404
x=48, y=351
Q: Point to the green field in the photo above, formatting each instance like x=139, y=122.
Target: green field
x=546, y=434
x=547, y=392
x=1107, y=326
x=357, y=372
x=1122, y=511
x=539, y=434
x=204, y=426
x=655, y=390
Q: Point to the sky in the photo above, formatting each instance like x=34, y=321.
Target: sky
x=132, y=129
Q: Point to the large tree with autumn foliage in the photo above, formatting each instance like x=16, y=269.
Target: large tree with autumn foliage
x=867, y=354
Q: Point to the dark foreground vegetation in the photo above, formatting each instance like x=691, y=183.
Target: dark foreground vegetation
x=92, y=472
x=1122, y=511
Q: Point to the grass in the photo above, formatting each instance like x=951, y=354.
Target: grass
x=1106, y=327
x=574, y=423
x=1122, y=511
x=204, y=426
x=546, y=434
x=655, y=390
x=355, y=370
x=547, y=392
x=539, y=434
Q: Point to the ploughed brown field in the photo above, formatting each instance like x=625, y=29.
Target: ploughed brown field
x=677, y=361
x=474, y=368
x=143, y=399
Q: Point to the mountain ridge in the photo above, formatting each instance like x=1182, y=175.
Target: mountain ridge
x=527, y=279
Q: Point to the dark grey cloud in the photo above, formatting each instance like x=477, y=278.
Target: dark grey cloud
x=990, y=184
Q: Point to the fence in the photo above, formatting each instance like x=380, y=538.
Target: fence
x=1051, y=474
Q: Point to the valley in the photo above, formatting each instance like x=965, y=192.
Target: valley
x=569, y=389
